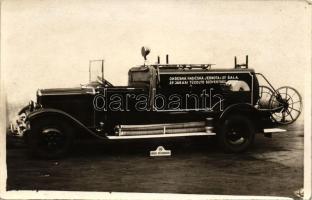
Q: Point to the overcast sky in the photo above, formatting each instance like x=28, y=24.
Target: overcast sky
x=49, y=43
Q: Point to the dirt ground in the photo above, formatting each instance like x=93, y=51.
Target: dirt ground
x=274, y=166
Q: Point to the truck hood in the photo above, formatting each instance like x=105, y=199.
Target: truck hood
x=66, y=91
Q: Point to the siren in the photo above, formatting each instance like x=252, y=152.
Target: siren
x=145, y=51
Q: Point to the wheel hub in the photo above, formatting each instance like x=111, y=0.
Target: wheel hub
x=52, y=136
x=236, y=137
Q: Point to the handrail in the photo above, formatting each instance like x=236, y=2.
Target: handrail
x=267, y=82
x=183, y=66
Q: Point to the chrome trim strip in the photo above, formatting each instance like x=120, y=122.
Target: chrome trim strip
x=88, y=87
x=206, y=72
x=66, y=93
x=160, y=135
x=185, y=110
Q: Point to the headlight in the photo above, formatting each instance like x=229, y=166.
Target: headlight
x=20, y=126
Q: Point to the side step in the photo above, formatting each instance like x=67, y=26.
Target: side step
x=198, y=128
x=159, y=135
x=267, y=132
x=273, y=130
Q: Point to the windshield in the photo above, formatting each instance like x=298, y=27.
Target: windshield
x=96, y=71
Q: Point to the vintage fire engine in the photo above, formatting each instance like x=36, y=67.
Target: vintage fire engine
x=161, y=100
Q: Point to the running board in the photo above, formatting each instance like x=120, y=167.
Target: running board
x=273, y=130
x=160, y=135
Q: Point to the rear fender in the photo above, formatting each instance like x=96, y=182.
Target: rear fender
x=48, y=112
x=244, y=109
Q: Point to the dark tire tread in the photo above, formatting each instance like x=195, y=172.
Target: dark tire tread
x=241, y=121
x=35, y=141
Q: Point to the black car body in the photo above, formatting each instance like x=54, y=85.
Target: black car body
x=161, y=100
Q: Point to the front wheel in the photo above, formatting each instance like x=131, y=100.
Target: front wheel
x=236, y=134
x=50, y=137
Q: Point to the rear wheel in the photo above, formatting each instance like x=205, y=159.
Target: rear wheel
x=236, y=134
x=50, y=137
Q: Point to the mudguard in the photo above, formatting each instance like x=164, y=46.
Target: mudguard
x=46, y=112
x=240, y=108
x=23, y=110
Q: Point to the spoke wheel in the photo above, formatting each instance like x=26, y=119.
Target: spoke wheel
x=289, y=102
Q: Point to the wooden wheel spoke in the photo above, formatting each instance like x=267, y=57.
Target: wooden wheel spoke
x=295, y=110
x=275, y=101
x=283, y=117
x=293, y=95
x=295, y=102
x=289, y=113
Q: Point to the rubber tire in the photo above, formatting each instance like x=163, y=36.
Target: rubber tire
x=36, y=141
x=248, y=132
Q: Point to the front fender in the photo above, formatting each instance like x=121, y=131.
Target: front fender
x=47, y=112
x=23, y=110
